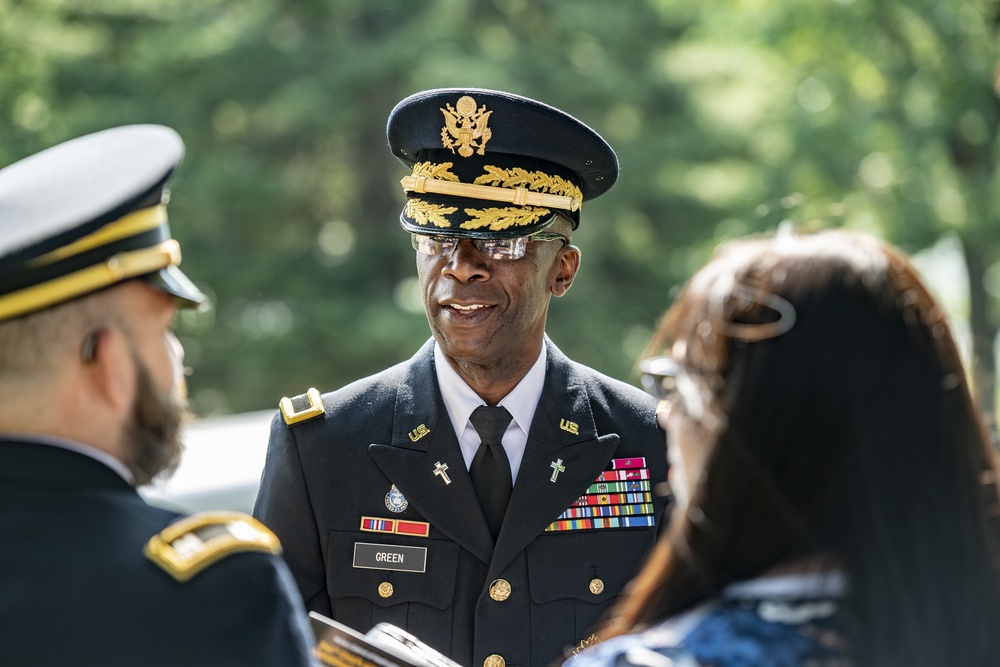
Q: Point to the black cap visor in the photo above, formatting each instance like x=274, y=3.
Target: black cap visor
x=172, y=280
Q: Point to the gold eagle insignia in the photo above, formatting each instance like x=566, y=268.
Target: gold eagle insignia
x=465, y=124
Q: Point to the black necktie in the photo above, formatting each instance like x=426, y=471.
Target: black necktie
x=490, y=469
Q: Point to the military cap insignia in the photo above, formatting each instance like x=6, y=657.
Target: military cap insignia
x=426, y=214
x=499, y=219
x=188, y=546
x=501, y=166
x=536, y=181
x=533, y=194
x=463, y=125
x=302, y=407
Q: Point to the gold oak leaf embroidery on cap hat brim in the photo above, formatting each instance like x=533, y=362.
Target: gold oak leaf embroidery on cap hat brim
x=425, y=213
x=498, y=219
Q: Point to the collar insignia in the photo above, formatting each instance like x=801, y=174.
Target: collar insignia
x=419, y=432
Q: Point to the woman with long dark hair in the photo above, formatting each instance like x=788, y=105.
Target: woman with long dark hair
x=835, y=485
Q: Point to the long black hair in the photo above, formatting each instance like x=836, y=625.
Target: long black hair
x=844, y=432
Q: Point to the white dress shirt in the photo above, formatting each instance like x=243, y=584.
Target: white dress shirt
x=460, y=401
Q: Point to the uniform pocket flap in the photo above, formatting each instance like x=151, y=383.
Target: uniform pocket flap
x=391, y=569
x=590, y=566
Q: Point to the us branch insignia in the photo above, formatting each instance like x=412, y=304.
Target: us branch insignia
x=571, y=427
x=465, y=127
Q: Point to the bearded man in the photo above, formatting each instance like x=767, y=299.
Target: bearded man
x=92, y=397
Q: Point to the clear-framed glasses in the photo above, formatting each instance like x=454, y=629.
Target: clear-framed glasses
x=501, y=249
x=665, y=380
x=659, y=377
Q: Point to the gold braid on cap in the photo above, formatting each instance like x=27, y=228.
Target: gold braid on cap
x=533, y=180
x=122, y=266
x=426, y=213
x=132, y=224
x=518, y=186
x=498, y=219
x=441, y=172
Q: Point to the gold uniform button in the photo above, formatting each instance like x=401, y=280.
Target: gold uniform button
x=500, y=590
x=494, y=660
x=385, y=589
x=596, y=586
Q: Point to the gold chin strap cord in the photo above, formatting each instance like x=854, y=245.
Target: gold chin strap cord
x=517, y=196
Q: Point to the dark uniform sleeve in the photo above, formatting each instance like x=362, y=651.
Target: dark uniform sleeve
x=283, y=505
x=231, y=600
x=271, y=627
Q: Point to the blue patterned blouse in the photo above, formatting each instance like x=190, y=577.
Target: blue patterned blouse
x=788, y=621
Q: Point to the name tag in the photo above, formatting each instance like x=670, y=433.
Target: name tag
x=390, y=557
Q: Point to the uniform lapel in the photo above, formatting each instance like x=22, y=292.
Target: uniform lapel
x=563, y=430
x=422, y=437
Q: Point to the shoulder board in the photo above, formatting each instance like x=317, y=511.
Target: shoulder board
x=302, y=407
x=188, y=546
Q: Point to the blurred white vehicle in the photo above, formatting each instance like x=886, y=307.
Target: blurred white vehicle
x=221, y=466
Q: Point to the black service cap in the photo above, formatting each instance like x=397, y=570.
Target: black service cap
x=492, y=164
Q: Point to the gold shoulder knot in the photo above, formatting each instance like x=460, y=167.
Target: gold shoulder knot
x=188, y=546
x=302, y=407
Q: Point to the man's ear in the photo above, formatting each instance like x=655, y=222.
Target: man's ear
x=566, y=265
x=110, y=368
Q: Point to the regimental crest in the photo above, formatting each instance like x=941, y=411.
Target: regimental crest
x=466, y=127
x=394, y=500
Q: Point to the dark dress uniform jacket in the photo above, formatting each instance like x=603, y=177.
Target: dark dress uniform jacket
x=323, y=475
x=76, y=589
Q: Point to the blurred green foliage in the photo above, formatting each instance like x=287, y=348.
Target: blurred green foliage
x=729, y=117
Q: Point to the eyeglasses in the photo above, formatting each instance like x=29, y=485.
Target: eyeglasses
x=665, y=380
x=502, y=249
x=659, y=377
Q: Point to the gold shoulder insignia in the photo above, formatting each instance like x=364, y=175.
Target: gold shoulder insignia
x=302, y=407
x=188, y=546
